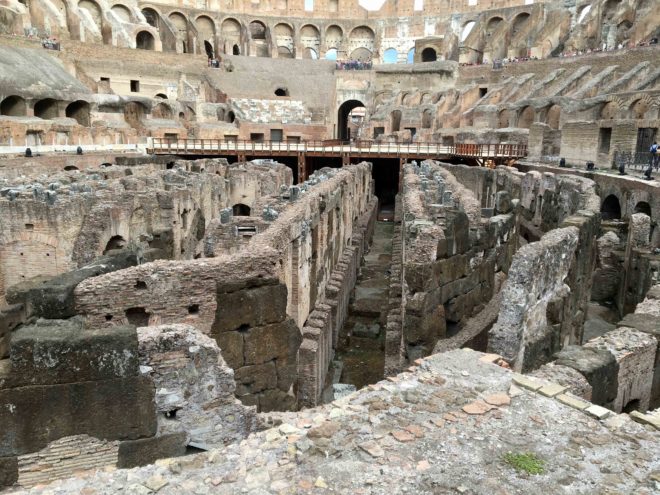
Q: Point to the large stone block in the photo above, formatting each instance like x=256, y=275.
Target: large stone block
x=32, y=417
x=133, y=453
x=598, y=366
x=255, y=378
x=250, y=308
x=231, y=347
x=62, y=351
x=276, y=341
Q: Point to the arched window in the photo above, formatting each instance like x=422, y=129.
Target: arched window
x=331, y=54
x=390, y=56
x=410, y=58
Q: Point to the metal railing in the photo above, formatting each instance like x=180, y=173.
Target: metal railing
x=361, y=147
x=634, y=159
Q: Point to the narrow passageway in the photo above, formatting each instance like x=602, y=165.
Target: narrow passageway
x=363, y=356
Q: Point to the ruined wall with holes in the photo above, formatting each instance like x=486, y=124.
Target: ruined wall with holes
x=55, y=225
x=452, y=253
x=255, y=302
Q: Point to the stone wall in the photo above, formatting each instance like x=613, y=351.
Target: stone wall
x=254, y=302
x=634, y=352
x=450, y=256
x=53, y=225
x=114, y=398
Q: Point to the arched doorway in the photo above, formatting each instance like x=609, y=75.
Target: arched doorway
x=611, y=208
x=429, y=55
x=342, y=118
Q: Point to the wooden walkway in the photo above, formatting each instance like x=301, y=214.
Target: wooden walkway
x=245, y=150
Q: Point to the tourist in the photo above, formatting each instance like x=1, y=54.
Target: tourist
x=654, y=157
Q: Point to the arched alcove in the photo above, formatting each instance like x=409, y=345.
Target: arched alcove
x=240, y=210
x=526, y=117
x=643, y=207
x=611, y=208
x=46, y=109
x=115, y=242
x=79, y=110
x=144, y=40
x=13, y=106
x=429, y=55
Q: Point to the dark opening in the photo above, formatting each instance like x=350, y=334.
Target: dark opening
x=79, y=110
x=611, y=209
x=115, y=242
x=429, y=55
x=135, y=86
x=231, y=117
x=108, y=317
x=343, y=118
x=137, y=317
x=385, y=173
x=631, y=406
x=241, y=210
x=161, y=95
x=13, y=106
x=643, y=207
x=170, y=414
x=281, y=92
x=151, y=16
x=604, y=139
x=209, y=49
x=257, y=137
x=46, y=109
x=236, y=50
x=140, y=284
x=483, y=92
x=145, y=41
x=193, y=309
x=645, y=138
x=69, y=168
x=395, y=121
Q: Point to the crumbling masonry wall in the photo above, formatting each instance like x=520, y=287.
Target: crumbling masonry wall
x=450, y=257
x=255, y=301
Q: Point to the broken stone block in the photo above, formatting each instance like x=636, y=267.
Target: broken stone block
x=598, y=366
x=133, y=453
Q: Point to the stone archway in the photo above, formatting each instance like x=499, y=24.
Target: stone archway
x=342, y=117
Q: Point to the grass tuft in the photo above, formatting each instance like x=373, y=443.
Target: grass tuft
x=526, y=462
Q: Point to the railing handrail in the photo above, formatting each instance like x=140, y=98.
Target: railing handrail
x=483, y=150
